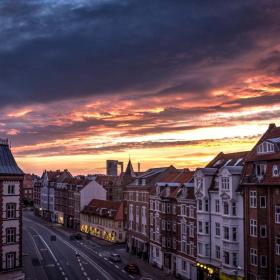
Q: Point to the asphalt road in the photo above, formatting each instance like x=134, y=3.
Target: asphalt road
x=64, y=259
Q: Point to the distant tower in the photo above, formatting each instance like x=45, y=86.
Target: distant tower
x=112, y=167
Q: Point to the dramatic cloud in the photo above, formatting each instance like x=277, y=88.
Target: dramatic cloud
x=120, y=75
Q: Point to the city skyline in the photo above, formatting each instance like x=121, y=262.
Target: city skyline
x=86, y=81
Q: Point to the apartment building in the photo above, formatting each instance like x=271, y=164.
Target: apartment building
x=136, y=196
x=11, y=181
x=261, y=185
x=167, y=222
x=71, y=195
x=47, y=191
x=104, y=219
x=37, y=197
x=220, y=217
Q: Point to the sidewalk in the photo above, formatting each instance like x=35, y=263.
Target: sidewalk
x=146, y=269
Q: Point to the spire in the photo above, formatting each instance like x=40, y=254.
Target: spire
x=129, y=169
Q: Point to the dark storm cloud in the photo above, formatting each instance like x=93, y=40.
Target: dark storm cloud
x=72, y=49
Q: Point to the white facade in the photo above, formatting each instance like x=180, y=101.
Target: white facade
x=220, y=226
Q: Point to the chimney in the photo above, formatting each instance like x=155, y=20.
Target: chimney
x=271, y=126
x=139, y=166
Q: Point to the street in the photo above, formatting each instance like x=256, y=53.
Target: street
x=64, y=259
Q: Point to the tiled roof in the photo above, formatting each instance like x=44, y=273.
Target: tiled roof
x=8, y=165
x=105, y=208
x=230, y=159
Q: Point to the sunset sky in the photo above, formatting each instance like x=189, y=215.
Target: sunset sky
x=166, y=82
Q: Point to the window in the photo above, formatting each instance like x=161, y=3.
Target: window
x=199, y=248
x=275, y=171
x=207, y=250
x=184, y=265
x=168, y=208
x=174, y=226
x=277, y=245
x=191, y=212
x=206, y=205
x=217, y=206
x=233, y=208
x=163, y=224
x=253, y=256
x=11, y=210
x=234, y=234
x=263, y=233
x=234, y=259
x=199, y=183
x=218, y=252
x=226, y=257
x=218, y=229
x=199, y=202
x=253, y=228
x=191, y=230
x=206, y=227
x=265, y=147
x=263, y=261
x=225, y=183
x=10, y=260
x=260, y=169
x=10, y=235
x=253, y=199
x=11, y=189
x=226, y=210
x=262, y=201
x=277, y=214
x=277, y=272
x=168, y=226
x=226, y=233
x=200, y=227
x=183, y=210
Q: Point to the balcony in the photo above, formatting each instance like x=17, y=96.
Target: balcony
x=253, y=179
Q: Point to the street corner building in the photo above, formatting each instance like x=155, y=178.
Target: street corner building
x=261, y=184
x=11, y=182
x=104, y=219
x=220, y=217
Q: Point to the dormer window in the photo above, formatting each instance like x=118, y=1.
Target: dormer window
x=265, y=148
x=275, y=171
x=225, y=183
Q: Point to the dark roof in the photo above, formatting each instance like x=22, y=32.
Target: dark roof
x=129, y=170
x=105, y=208
x=8, y=165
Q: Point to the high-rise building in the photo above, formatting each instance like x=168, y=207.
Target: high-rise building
x=112, y=167
x=11, y=182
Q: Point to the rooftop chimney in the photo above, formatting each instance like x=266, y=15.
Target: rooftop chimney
x=139, y=166
x=271, y=126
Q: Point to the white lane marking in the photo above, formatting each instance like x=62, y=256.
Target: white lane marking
x=82, y=269
x=105, y=259
x=105, y=274
x=132, y=277
x=123, y=271
x=85, y=274
x=116, y=266
x=110, y=262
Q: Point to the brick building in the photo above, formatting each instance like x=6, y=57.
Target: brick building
x=11, y=181
x=261, y=185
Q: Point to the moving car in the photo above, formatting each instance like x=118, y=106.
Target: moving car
x=115, y=257
x=132, y=268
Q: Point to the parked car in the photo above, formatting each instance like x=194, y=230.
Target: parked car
x=53, y=237
x=132, y=269
x=115, y=258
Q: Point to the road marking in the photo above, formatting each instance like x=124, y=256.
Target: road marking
x=116, y=266
x=131, y=276
x=105, y=259
x=123, y=271
x=85, y=274
x=110, y=262
x=105, y=274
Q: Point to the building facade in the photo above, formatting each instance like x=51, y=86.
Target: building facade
x=104, y=219
x=261, y=186
x=11, y=182
x=220, y=217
